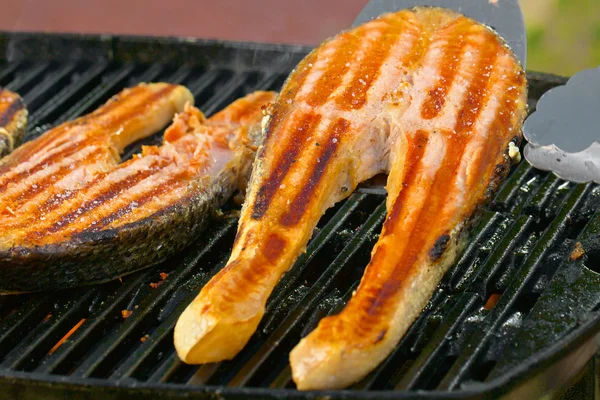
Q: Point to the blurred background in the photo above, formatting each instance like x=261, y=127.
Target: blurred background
x=563, y=35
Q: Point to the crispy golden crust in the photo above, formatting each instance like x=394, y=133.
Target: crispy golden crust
x=429, y=96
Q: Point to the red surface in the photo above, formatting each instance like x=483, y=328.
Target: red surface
x=276, y=21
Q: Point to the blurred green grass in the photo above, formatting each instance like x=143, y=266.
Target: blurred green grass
x=563, y=36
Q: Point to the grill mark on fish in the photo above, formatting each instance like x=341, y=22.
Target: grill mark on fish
x=25, y=151
x=500, y=121
x=55, y=201
x=354, y=96
x=453, y=53
x=307, y=124
x=54, y=158
x=129, y=95
x=273, y=247
x=106, y=204
x=41, y=185
x=416, y=150
x=141, y=200
x=286, y=97
x=100, y=198
x=64, y=129
x=335, y=71
x=20, y=176
x=302, y=200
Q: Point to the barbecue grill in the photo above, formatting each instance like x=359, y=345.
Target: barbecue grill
x=518, y=314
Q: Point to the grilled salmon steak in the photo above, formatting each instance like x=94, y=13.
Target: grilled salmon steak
x=426, y=95
x=13, y=121
x=71, y=214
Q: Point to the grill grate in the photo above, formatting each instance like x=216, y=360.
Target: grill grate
x=511, y=296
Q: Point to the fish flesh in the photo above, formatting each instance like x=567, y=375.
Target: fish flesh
x=13, y=121
x=426, y=95
x=72, y=214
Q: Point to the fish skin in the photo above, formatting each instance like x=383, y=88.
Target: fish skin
x=13, y=121
x=134, y=239
x=426, y=95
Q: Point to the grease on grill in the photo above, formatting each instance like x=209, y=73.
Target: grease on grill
x=67, y=336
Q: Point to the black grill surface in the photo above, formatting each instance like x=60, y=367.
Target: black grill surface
x=513, y=304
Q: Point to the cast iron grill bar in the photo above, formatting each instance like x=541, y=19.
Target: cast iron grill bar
x=459, y=270
x=430, y=356
x=479, y=340
x=226, y=91
x=205, y=81
x=111, y=84
x=149, y=74
x=540, y=200
x=504, y=249
x=324, y=309
x=181, y=74
x=24, y=80
x=15, y=326
x=141, y=316
x=176, y=280
x=573, y=273
x=41, y=339
x=171, y=284
x=7, y=72
x=512, y=186
x=95, y=322
x=48, y=82
x=68, y=93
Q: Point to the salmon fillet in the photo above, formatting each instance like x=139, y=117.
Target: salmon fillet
x=13, y=121
x=426, y=95
x=71, y=214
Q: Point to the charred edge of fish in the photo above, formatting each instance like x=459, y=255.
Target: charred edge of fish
x=440, y=246
x=7, y=115
x=6, y=144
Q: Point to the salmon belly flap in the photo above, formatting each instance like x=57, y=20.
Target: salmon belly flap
x=427, y=96
x=67, y=201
